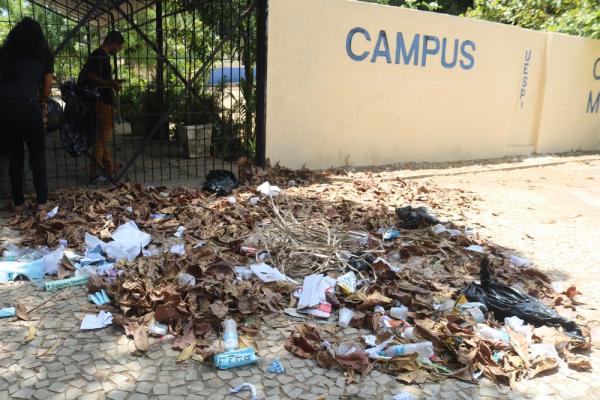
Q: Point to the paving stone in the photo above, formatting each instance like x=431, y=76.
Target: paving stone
x=143, y=387
x=352, y=389
x=93, y=387
x=93, y=396
x=117, y=395
x=72, y=393
x=42, y=394
x=138, y=396
x=382, y=379
x=284, y=379
x=225, y=375
x=160, y=388
x=25, y=393
x=58, y=387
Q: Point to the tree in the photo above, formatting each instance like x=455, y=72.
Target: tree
x=453, y=7
x=575, y=17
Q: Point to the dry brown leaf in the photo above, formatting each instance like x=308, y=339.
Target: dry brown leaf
x=140, y=337
x=219, y=309
x=22, y=313
x=579, y=364
x=30, y=333
x=541, y=365
x=187, y=352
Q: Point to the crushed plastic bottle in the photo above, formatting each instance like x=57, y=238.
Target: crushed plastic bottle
x=423, y=349
x=230, y=335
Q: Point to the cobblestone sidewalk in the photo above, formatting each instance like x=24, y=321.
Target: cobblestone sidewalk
x=64, y=363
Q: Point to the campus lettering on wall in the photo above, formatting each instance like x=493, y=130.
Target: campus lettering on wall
x=417, y=49
x=593, y=102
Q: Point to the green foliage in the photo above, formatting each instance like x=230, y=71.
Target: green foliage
x=454, y=7
x=576, y=17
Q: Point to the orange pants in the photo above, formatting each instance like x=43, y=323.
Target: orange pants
x=104, y=135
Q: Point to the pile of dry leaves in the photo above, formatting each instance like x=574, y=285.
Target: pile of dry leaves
x=315, y=226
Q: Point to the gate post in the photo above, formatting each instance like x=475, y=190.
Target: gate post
x=261, y=81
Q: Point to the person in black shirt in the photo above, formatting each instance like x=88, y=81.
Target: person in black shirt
x=26, y=73
x=97, y=73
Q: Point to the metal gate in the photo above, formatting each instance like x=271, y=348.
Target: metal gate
x=194, y=83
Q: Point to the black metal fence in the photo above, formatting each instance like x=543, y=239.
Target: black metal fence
x=191, y=101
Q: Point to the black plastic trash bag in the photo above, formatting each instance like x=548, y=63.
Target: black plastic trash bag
x=414, y=218
x=221, y=182
x=505, y=302
x=78, y=127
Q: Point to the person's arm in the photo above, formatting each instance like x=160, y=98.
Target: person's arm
x=47, y=85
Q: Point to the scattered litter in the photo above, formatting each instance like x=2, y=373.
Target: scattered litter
x=399, y=312
x=423, y=349
x=276, y=367
x=246, y=386
x=404, y=395
x=91, y=321
x=506, y=302
x=99, y=298
x=235, y=358
x=414, y=218
x=313, y=298
x=518, y=261
x=267, y=274
x=221, y=182
x=370, y=340
x=268, y=190
x=180, y=231
x=158, y=329
x=345, y=316
x=186, y=279
x=322, y=237
x=178, y=249
x=391, y=234
x=558, y=286
x=231, y=200
x=7, y=312
x=474, y=309
x=51, y=213
x=493, y=335
x=347, y=282
x=475, y=248
x=438, y=229
x=52, y=260
x=14, y=270
x=52, y=286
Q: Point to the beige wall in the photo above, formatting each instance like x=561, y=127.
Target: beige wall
x=326, y=109
x=566, y=122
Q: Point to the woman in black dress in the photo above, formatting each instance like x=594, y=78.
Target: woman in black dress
x=26, y=71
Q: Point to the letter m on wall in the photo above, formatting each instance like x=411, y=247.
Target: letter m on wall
x=593, y=105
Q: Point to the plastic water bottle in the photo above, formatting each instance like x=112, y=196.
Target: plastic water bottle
x=230, y=335
x=423, y=349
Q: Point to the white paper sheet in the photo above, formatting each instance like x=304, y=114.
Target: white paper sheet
x=266, y=273
x=91, y=321
x=268, y=190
